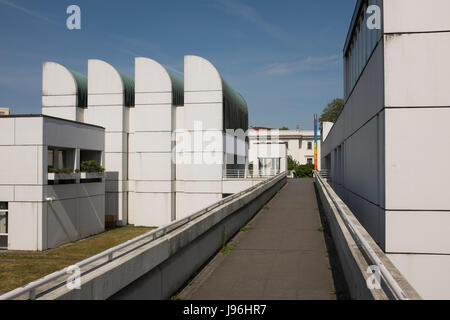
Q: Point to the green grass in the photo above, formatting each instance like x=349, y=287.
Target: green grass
x=226, y=248
x=266, y=207
x=320, y=229
x=18, y=268
x=248, y=226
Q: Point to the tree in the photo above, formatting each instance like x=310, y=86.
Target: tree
x=331, y=112
x=302, y=170
x=284, y=128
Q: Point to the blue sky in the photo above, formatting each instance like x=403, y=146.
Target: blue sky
x=284, y=56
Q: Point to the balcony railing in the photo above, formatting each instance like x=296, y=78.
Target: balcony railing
x=246, y=173
x=72, y=178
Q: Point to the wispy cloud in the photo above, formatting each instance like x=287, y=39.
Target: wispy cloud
x=305, y=64
x=174, y=70
x=29, y=12
x=146, y=49
x=139, y=47
x=251, y=15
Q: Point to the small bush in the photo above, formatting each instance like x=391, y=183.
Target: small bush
x=60, y=170
x=91, y=166
x=302, y=170
x=305, y=171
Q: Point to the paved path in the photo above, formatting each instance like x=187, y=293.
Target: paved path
x=281, y=256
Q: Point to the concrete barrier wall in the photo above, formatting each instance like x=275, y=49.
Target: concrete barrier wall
x=157, y=270
x=354, y=260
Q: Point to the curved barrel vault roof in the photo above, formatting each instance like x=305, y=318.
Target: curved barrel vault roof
x=202, y=75
x=104, y=78
x=59, y=80
x=151, y=76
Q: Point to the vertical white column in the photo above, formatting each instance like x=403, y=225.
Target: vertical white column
x=152, y=202
x=203, y=120
x=60, y=92
x=107, y=108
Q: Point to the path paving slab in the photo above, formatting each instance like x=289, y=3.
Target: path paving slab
x=281, y=256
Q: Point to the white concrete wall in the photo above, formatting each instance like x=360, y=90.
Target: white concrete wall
x=405, y=16
x=355, y=149
x=202, y=168
x=151, y=168
x=326, y=128
x=392, y=134
x=59, y=93
x=417, y=135
x=77, y=210
x=106, y=108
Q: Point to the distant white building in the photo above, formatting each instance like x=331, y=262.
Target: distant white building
x=4, y=111
x=269, y=149
x=40, y=209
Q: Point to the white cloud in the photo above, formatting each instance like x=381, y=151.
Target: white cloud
x=251, y=15
x=309, y=63
x=29, y=12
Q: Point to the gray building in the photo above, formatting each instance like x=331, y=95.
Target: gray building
x=393, y=131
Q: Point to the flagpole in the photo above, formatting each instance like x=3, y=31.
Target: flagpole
x=315, y=142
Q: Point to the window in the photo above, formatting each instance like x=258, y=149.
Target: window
x=59, y=158
x=269, y=166
x=360, y=47
x=309, y=145
x=3, y=224
x=309, y=161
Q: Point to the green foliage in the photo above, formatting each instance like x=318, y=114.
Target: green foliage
x=302, y=170
x=292, y=164
x=284, y=128
x=331, y=112
x=305, y=170
x=60, y=170
x=91, y=166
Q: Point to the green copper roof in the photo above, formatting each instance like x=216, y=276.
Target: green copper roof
x=81, y=88
x=128, y=85
x=235, y=108
x=177, y=90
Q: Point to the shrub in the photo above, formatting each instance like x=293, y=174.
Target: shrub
x=305, y=171
x=91, y=166
x=302, y=170
x=60, y=170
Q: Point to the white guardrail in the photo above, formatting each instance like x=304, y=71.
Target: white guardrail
x=401, y=295
x=31, y=287
x=246, y=174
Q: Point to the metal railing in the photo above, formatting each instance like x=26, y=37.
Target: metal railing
x=360, y=238
x=237, y=173
x=31, y=287
x=245, y=174
x=324, y=173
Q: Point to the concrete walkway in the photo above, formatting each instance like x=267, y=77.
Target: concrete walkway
x=281, y=255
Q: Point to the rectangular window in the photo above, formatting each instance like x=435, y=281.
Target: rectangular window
x=3, y=224
x=3, y=217
x=309, y=161
x=269, y=166
x=59, y=158
x=309, y=145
